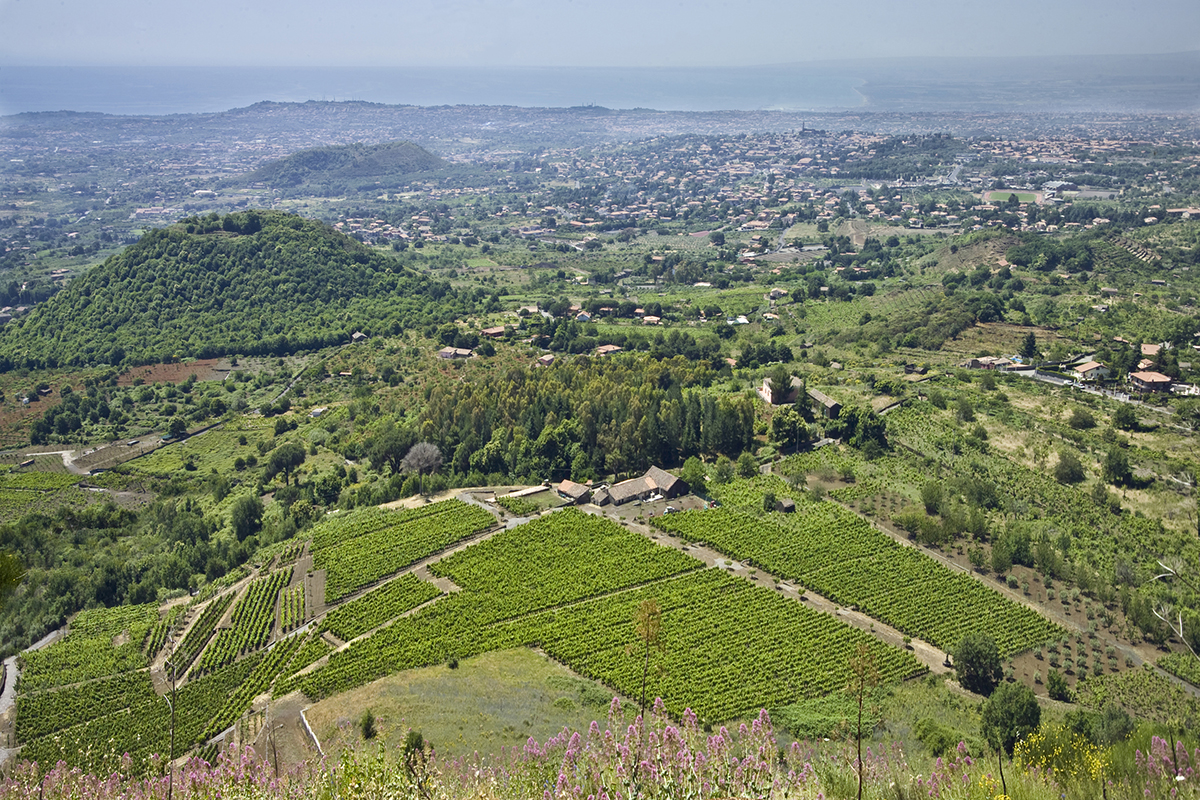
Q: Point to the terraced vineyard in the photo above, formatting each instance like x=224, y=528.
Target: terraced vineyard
x=730, y=645
x=356, y=617
x=360, y=548
x=47, y=712
x=841, y=556
x=291, y=608
x=199, y=634
x=102, y=642
x=250, y=623
x=141, y=729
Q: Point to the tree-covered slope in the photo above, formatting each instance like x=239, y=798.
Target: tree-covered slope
x=254, y=282
x=334, y=170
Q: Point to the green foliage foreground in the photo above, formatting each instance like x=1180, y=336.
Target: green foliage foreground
x=664, y=758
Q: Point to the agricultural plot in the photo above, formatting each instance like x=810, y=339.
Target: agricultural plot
x=258, y=681
x=214, y=449
x=374, y=547
x=251, y=622
x=389, y=601
x=291, y=608
x=841, y=556
x=25, y=492
x=47, y=712
x=158, y=634
x=746, y=494
x=729, y=646
x=562, y=558
x=102, y=643
x=142, y=729
x=199, y=634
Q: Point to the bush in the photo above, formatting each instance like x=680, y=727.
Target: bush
x=367, y=725
x=1081, y=419
x=977, y=664
x=1056, y=686
x=1068, y=470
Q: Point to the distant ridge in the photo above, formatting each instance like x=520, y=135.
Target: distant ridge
x=332, y=170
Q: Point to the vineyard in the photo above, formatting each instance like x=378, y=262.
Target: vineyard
x=291, y=608
x=47, y=712
x=258, y=681
x=359, y=549
x=201, y=631
x=356, y=617
x=840, y=556
x=141, y=729
x=1184, y=666
x=102, y=643
x=251, y=623
x=730, y=645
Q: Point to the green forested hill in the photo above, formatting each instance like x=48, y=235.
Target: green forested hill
x=335, y=170
x=254, y=282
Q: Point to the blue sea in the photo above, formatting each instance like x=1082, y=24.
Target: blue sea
x=187, y=90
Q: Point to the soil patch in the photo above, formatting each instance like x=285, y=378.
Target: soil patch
x=205, y=369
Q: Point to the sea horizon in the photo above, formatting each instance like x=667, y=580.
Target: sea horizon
x=160, y=91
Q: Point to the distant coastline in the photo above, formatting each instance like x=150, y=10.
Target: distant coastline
x=1168, y=83
x=189, y=90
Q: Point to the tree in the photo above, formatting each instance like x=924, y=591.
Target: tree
x=931, y=496
x=1125, y=418
x=1068, y=469
x=693, y=474
x=1056, y=686
x=245, y=517
x=1009, y=715
x=12, y=572
x=788, y=427
x=747, y=467
x=1116, y=467
x=977, y=663
x=177, y=428
x=388, y=446
x=1081, y=419
x=367, y=723
x=1028, y=346
x=781, y=383
x=722, y=470
x=286, y=458
x=422, y=458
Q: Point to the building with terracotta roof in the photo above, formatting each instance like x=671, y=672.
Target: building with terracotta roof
x=1150, y=381
x=655, y=481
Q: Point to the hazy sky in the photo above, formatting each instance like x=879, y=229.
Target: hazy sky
x=575, y=33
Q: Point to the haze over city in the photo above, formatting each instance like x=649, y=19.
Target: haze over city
x=622, y=33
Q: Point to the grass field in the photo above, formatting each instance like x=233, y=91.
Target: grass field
x=489, y=701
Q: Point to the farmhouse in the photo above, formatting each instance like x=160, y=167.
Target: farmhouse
x=545, y=361
x=1150, y=381
x=607, y=349
x=494, y=333
x=453, y=352
x=575, y=492
x=828, y=406
x=777, y=396
x=655, y=481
